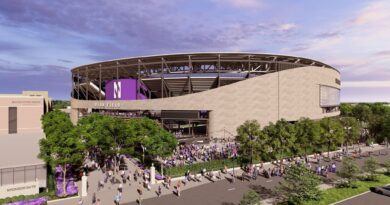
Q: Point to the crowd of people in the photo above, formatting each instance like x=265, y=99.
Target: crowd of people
x=193, y=153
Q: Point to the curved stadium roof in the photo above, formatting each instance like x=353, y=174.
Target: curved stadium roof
x=189, y=72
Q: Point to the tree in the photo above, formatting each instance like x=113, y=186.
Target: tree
x=96, y=132
x=370, y=166
x=162, y=144
x=387, y=166
x=352, y=129
x=252, y=140
x=362, y=112
x=385, y=132
x=332, y=132
x=145, y=135
x=346, y=109
x=375, y=127
x=349, y=170
x=300, y=184
x=62, y=145
x=307, y=133
x=250, y=198
x=281, y=137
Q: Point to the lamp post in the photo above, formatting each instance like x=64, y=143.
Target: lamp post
x=143, y=154
x=330, y=132
x=346, y=141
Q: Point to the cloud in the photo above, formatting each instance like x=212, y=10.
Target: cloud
x=382, y=53
x=65, y=61
x=287, y=27
x=365, y=84
x=241, y=4
x=328, y=35
x=376, y=11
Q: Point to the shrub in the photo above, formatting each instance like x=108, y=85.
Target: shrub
x=349, y=170
x=197, y=167
x=250, y=198
x=370, y=165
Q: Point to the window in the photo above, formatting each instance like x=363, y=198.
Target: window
x=12, y=120
x=329, y=96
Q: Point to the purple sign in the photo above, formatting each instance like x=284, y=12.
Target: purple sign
x=124, y=89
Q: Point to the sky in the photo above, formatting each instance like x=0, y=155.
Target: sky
x=41, y=40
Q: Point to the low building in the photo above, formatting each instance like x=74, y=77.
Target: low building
x=21, y=172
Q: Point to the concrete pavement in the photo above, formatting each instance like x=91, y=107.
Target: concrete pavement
x=203, y=192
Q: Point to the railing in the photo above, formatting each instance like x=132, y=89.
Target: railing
x=22, y=174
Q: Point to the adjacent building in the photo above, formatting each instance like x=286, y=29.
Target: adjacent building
x=21, y=172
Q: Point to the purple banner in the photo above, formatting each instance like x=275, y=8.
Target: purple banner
x=124, y=89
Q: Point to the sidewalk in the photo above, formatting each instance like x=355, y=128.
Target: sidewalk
x=130, y=194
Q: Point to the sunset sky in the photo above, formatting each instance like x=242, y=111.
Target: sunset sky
x=41, y=40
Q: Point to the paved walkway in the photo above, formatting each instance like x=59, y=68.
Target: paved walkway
x=205, y=191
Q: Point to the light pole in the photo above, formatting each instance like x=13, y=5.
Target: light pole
x=143, y=154
x=330, y=137
x=346, y=141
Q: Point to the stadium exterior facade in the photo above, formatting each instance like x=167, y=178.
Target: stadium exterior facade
x=207, y=94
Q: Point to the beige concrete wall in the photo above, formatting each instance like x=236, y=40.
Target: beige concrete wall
x=29, y=111
x=289, y=94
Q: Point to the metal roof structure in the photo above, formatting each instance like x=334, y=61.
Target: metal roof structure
x=172, y=75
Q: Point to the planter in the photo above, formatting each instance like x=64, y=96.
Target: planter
x=37, y=201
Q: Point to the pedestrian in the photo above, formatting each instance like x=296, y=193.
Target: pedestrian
x=178, y=188
x=117, y=199
x=159, y=191
x=98, y=202
x=139, y=200
x=120, y=187
x=94, y=198
x=80, y=201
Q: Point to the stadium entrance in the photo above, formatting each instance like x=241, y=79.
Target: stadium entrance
x=184, y=124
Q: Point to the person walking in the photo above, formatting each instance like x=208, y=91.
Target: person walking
x=178, y=188
x=120, y=187
x=98, y=202
x=80, y=201
x=159, y=191
x=94, y=198
x=117, y=199
x=139, y=200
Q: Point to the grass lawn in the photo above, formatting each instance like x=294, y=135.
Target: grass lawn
x=336, y=194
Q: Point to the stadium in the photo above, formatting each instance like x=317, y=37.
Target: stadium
x=207, y=95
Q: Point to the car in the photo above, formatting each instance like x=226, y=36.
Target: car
x=381, y=190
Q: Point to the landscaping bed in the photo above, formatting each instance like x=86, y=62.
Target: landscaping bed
x=337, y=194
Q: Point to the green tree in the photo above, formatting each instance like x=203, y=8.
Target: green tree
x=332, y=132
x=62, y=145
x=96, y=133
x=162, y=144
x=362, y=112
x=250, y=198
x=346, y=109
x=349, y=170
x=370, y=165
x=300, y=184
x=145, y=135
x=387, y=166
x=385, y=132
x=375, y=127
x=281, y=138
x=352, y=130
x=379, y=108
x=252, y=140
x=307, y=133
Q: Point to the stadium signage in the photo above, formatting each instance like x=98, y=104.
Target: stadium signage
x=107, y=104
x=28, y=188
